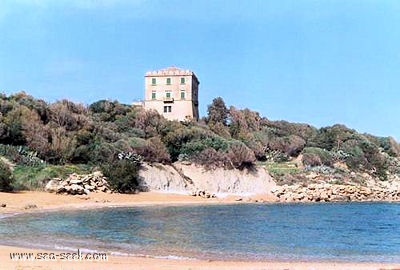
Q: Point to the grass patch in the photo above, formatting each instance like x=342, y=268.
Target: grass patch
x=35, y=178
x=281, y=168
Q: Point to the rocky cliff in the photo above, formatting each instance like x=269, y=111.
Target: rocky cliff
x=336, y=193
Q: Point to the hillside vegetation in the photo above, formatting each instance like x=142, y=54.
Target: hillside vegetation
x=36, y=136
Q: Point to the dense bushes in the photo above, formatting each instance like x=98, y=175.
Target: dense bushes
x=241, y=156
x=123, y=172
x=212, y=159
x=65, y=132
x=291, y=145
x=313, y=156
x=390, y=146
x=191, y=140
x=153, y=150
x=6, y=177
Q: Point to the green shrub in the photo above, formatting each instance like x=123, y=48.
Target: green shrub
x=241, y=156
x=390, y=146
x=275, y=156
x=257, y=147
x=189, y=141
x=314, y=156
x=212, y=159
x=153, y=150
x=193, y=147
x=6, y=177
x=284, y=128
x=123, y=173
x=21, y=155
x=365, y=155
x=291, y=145
x=136, y=142
x=331, y=137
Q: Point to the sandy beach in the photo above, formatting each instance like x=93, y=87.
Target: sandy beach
x=41, y=201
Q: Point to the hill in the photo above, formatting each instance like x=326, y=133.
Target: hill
x=45, y=140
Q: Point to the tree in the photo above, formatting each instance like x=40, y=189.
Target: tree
x=150, y=121
x=217, y=112
x=66, y=114
x=243, y=123
x=14, y=122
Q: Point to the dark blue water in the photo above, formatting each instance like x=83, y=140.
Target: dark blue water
x=360, y=232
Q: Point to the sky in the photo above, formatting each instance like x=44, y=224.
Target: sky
x=308, y=61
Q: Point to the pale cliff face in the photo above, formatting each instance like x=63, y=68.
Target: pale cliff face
x=189, y=178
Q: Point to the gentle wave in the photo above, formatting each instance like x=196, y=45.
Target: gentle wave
x=7, y=215
x=311, y=232
x=168, y=257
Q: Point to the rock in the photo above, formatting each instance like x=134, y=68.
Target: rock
x=86, y=179
x=76, y=189
x=97, y=174
x=77, y=184
x=186, y=162
x=3, y=205
x=30, y=206
x=76, y=181
x=334, y=193
x=53, y=185
x=61, y=189
x=203, y=194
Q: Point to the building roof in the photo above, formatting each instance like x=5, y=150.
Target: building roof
x=169, y=71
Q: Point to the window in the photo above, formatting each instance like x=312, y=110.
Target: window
x=168, y=80
x=153, y=81
x=167, y=109
x=182, y=94
x=168, y=94
x=153, y=95
x=182, y=80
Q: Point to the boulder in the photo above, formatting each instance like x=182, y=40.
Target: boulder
x=77, y=184
x=334, y=193
x=30, y=206
x=75, y=181
x=53, y=185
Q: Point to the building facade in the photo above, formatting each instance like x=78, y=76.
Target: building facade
x=173, y=92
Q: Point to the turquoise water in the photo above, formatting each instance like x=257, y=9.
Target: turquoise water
x=333, y=231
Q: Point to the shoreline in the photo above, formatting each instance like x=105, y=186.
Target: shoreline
x=23, y=202
x=152, y=263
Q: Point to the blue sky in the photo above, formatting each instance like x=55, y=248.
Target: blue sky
x=318, y=62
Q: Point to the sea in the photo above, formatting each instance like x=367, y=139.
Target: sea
x=348, y=232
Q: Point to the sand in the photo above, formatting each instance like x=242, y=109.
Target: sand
x=26, y=202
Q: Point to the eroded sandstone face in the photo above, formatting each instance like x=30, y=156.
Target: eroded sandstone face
x=192, y=179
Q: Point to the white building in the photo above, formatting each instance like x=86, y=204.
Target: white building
x=173, y=92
